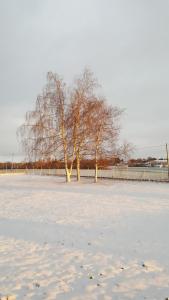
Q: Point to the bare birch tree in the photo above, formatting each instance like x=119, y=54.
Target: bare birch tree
x=82, y=95
x=60, y=121
x=46, y=132
x=104, y=130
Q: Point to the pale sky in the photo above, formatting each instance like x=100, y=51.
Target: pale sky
x=124, y=42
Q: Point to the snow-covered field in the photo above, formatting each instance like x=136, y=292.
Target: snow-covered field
x=87, y=241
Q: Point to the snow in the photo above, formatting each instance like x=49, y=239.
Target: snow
x=83, y=241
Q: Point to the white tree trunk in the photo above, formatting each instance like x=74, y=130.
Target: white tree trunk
x=78, y=166
x=96, y=165
x=96, y=172
x=68, y=175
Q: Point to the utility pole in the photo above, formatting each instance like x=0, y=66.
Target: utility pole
x=167, y=159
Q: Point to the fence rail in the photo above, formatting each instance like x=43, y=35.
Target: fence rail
x=126, y=173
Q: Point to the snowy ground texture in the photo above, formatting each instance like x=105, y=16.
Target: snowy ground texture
x=105, y=241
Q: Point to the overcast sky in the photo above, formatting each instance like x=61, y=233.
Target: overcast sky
x=124, y=42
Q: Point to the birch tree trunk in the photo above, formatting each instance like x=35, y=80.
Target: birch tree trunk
x=96, y=165
x=78, y=165
x=68, y=175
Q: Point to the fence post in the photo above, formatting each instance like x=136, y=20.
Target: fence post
x=167, y=159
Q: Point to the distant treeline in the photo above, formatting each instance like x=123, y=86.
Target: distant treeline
x=103, y=163
x=85, y=164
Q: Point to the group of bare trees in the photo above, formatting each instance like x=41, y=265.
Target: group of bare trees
x=71, y=123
